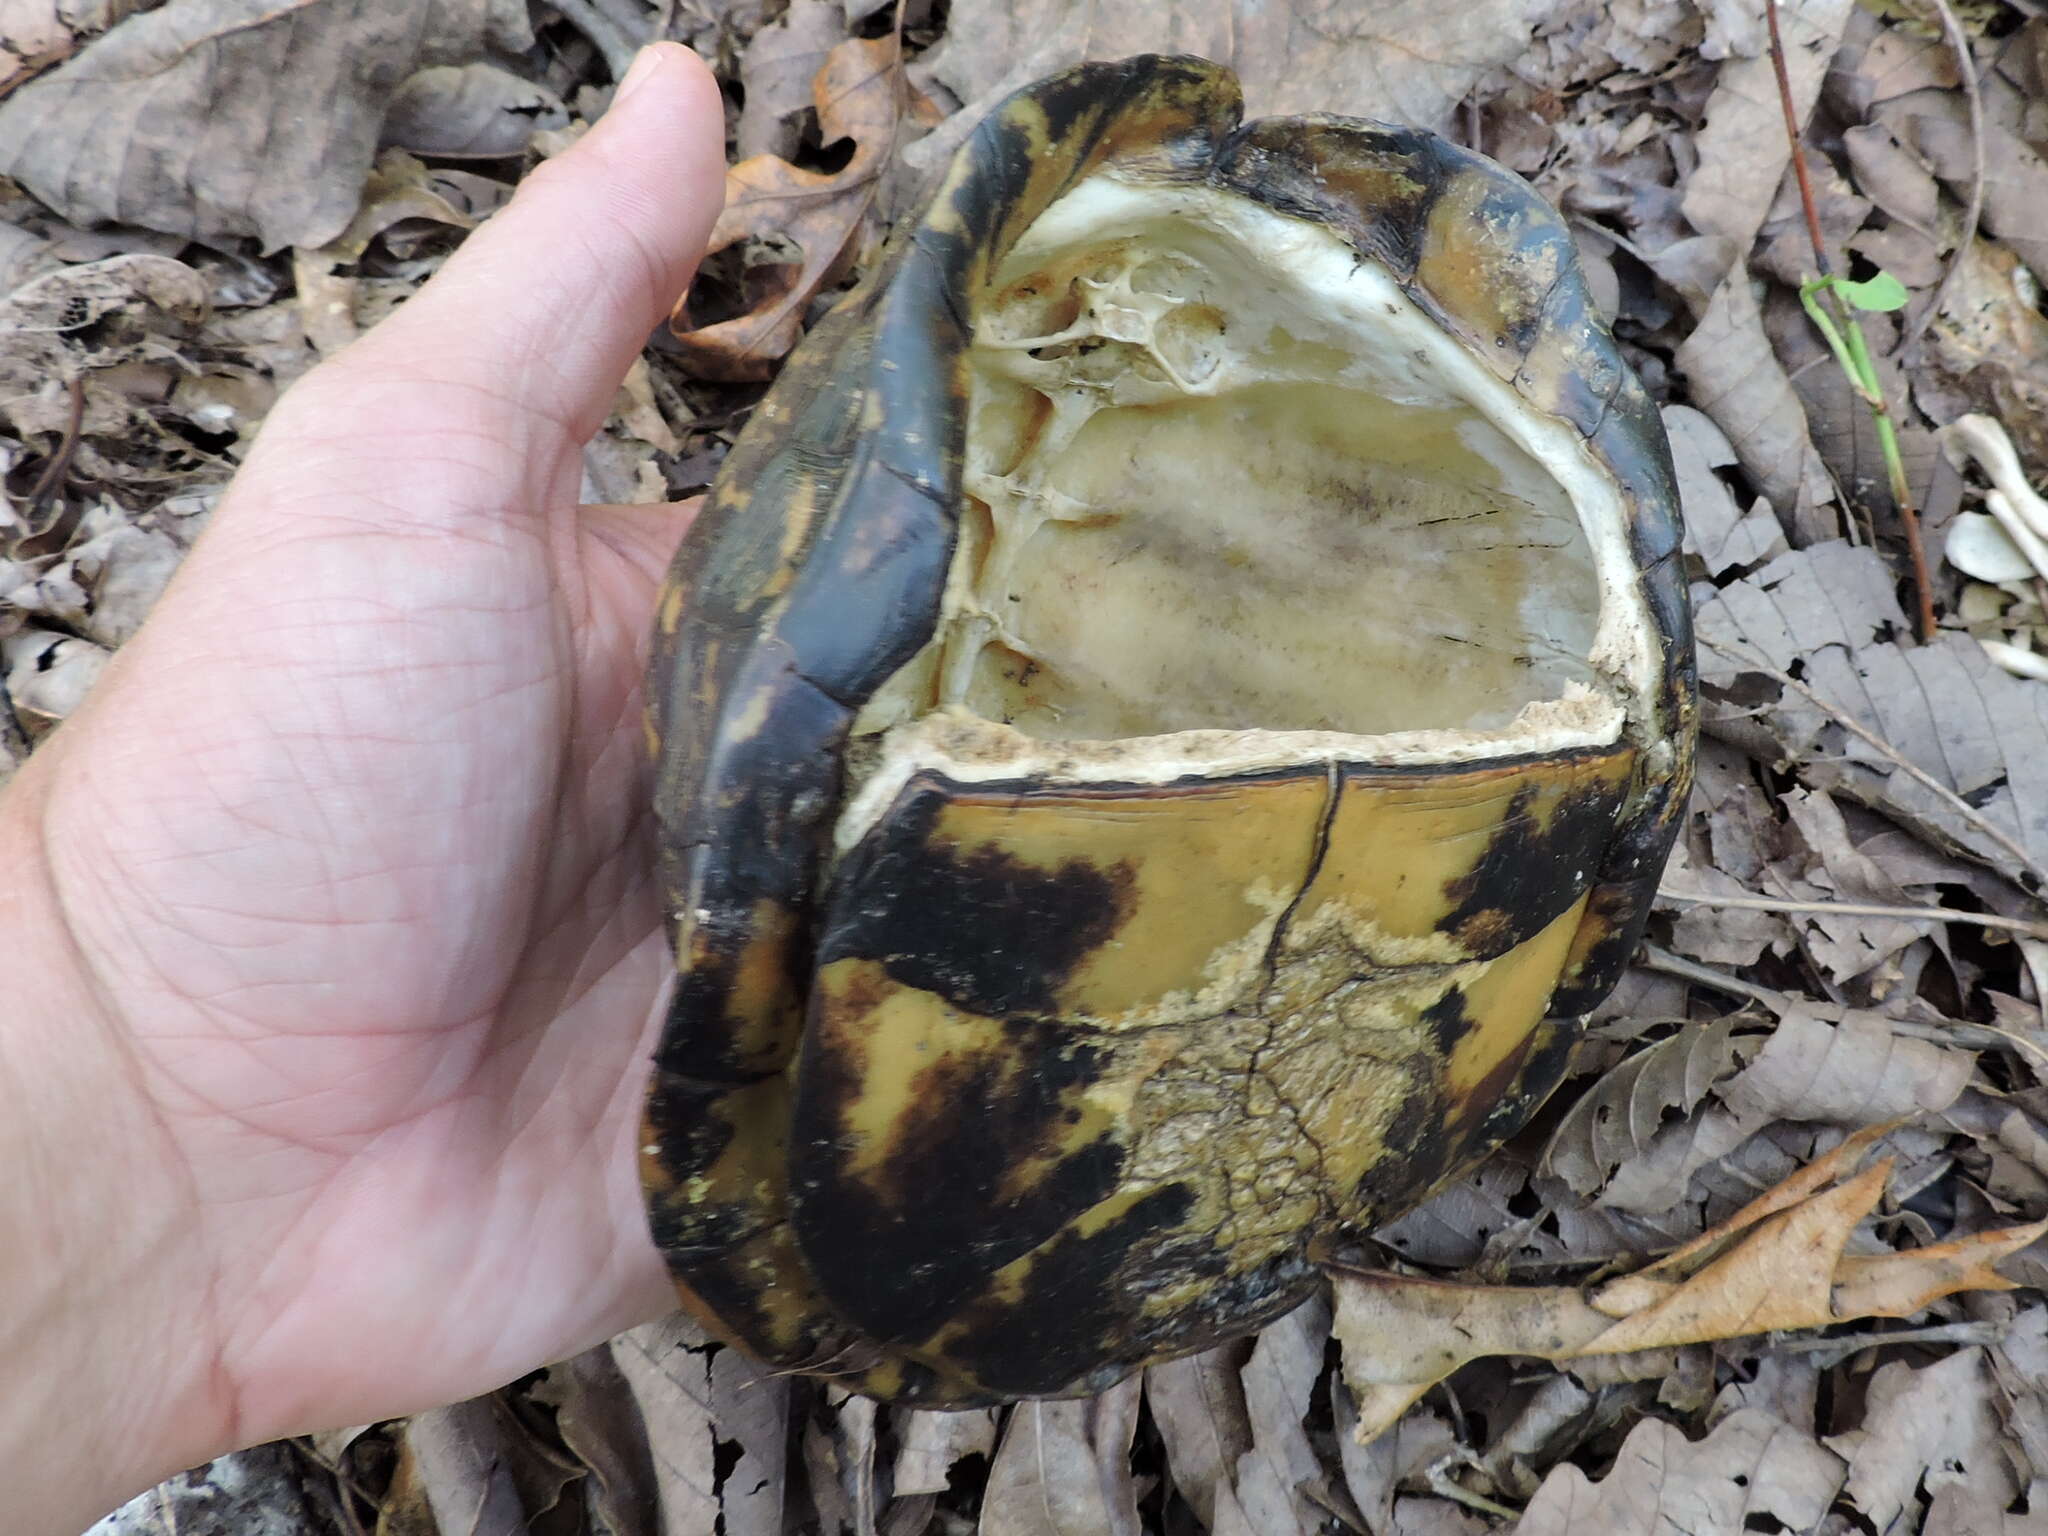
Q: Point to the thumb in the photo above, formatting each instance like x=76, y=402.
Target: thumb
x=541, y=311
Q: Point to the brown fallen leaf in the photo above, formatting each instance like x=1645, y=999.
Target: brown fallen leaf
x=1775, y=1264
x=1277, y=1475
x=769, y=200
x=930, y=1442
x=1988, y=351
x=1716, y=529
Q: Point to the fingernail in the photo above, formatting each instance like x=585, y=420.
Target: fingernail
x=645, y=63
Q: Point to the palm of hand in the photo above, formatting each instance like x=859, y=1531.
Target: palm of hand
x=352, y=842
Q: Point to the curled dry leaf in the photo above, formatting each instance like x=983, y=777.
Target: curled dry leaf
x=1778, y=1263
x=398, y=189
x=769, y=200
x=220, y=143
x=258, y=1492
x=1275, y=1476
x=600, y=1425
x=35, y=34
x=1716, y=529
x=1987, y=350
x=48, y=675
x=456, y=1471
x=1615, y=1121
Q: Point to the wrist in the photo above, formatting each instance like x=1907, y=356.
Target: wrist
x=111, y=1381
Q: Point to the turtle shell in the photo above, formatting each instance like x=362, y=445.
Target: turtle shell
x=1175, y=705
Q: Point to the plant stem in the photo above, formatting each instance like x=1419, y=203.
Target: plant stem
x=1845, y=338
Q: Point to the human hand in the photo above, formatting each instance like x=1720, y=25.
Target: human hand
x=336, y=929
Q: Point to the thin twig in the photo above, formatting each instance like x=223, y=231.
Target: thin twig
x=1845, y=338
x=2018, y=925
x=1966, y=67
x=1877, y=743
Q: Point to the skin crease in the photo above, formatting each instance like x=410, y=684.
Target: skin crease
x=329, y=938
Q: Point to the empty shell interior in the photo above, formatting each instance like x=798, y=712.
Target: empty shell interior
x=1233, y=500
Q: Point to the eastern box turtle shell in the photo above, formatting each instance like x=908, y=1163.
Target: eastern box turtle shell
x=1178, y=699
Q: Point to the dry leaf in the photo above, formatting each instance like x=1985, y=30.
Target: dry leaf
x=35, y=34
x=1743, y=151
x=717, y=1423
x=1935, y=124
x=1198, y=1403
x=1895, y=178
x=1375, y=1471
x=930, y=1443
x=257, y=1492
x=1735, y=378
x=1279, y=1384
x=1852, y=1073
x=600, y=1424
x=1979, y=733
x=1615, y=1121
x=1752, y=1468
x=1064, y=1469
x=1773, y=1265
x=1409, y=61
x=1925, y=1429
x=220, y=144
x=1718, y=531
x=776, y=71
x=1987, y=350
x=48, y=675
x=768, y=199
x=461, y=1469
x=1471, y=1221
x=469, y=111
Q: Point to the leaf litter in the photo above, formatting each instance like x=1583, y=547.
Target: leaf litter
x=1769, y=1260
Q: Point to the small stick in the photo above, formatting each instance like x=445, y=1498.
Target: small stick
x=2019, y=925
